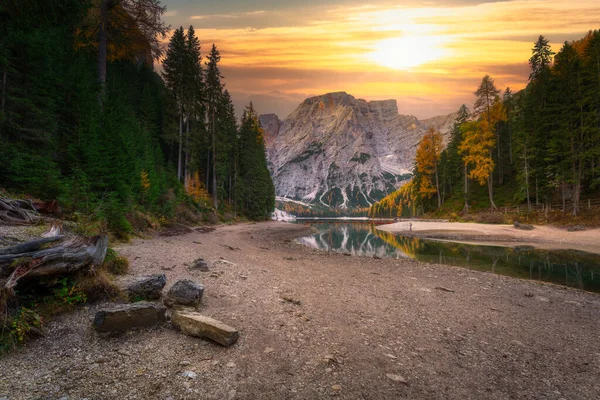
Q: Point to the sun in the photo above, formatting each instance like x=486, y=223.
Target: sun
x=407, y=52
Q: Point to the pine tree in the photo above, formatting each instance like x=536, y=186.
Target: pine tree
x=175, y=75
x=256, y=190
x=214, y=91
x=193, y=92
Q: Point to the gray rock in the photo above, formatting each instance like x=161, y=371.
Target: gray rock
x=129, y=316
x=185, y=293
x=197, y=325
x=143, y=287
x=523, y=227
x=200, y=264
x=189, y=374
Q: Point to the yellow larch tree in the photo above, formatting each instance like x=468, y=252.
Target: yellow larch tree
x=427, y=162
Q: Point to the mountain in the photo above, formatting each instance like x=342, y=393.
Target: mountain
x=338, y=151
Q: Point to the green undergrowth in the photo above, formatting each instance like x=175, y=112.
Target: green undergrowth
x=24, y=313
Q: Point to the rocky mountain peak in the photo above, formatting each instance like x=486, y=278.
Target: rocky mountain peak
x=339, y=151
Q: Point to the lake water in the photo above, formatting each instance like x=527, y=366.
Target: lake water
x=564, y=267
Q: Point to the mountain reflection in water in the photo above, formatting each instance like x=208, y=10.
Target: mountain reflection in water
x=564, y=267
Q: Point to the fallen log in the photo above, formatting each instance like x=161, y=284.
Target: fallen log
x=32, y=259
x=18, y=212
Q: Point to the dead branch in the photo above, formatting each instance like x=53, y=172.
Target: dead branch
x=18, y=212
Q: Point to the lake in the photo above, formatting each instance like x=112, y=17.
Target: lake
x=564, y=267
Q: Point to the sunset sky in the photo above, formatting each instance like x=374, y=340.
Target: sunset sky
x=429, y=55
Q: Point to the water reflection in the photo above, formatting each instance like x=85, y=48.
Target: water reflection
x=565, y=267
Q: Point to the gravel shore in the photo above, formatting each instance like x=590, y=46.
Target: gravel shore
x=315, y=325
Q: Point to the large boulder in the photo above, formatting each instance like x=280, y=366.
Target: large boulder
x=197, y=325
x=143, y=287
x=185, y=293
x=129, y=316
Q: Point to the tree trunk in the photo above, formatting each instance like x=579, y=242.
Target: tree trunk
x=187, y=152
x=3, y=100
x=33, y=259
x=179, y=161
x=491, y=192
x=437, y=187
x=577, y=189
x=102, y=47
x=527, y=179
x=466, y=191
x=214, y=163
x=500, y=164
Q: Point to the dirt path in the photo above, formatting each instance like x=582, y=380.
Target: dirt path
x=546, y=237
x=362, y=326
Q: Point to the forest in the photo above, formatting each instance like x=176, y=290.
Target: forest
x=86, y=119
x=537, y=150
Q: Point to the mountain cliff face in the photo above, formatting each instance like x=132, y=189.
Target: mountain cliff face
x=338, y=151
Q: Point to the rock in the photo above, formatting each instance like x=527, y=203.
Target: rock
x=185, y=293
x=230, y=364
x=200, y=264
x=396, y=378
x=129, y=316
x=195, y=324
x=269, y=350
x=189, y=374
x=337, y=387
x=523, y=227
x=143, y=287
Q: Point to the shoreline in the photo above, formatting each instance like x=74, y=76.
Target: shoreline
x=542, y=237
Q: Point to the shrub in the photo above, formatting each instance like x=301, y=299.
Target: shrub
x=115, y=264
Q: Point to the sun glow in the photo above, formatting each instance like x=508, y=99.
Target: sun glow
x=408, y=51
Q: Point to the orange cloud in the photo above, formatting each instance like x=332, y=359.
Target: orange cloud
x=407, y=53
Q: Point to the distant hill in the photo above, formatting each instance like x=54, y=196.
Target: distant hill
x=338, y=151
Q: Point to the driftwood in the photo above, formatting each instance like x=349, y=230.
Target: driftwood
x=54, y=255
x=18, y=212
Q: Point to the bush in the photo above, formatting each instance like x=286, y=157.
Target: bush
x=115, y=264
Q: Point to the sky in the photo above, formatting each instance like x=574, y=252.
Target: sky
x=428, y=55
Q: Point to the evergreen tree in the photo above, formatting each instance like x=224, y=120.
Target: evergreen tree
x=256, y=190
x=193, y=93
x=214, y=91
x=174, y=74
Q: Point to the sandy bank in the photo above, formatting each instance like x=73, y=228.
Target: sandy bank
x=545, y=237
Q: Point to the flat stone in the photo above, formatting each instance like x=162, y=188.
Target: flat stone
x=129, y=316
x=143, y=287
x=185, y=293
x=197, y=325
